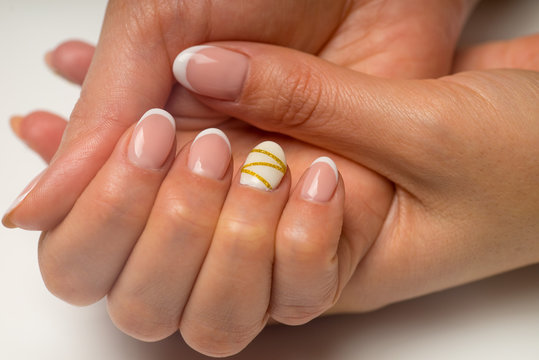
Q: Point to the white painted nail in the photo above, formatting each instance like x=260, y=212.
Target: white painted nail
x=264, y=167
x=179, y=68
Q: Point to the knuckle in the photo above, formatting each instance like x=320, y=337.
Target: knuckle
x=299, y=246
x=187, y=216
x=292, y=309
x=218, y=339
x=138, y=318
x=300, y=99
x=239, y=236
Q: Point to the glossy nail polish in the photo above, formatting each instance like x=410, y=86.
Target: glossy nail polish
x=209, y=154
x=320, y=180
x=211, y=71
x=264, y=167
x=152, y=139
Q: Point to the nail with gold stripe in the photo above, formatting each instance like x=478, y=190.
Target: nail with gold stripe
x=264, y=167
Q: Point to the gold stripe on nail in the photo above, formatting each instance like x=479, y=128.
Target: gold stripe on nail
x=264, y=181
x=265, y=164
x=279, y=161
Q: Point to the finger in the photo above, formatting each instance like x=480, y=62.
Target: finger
x=519, y=53
x=308, y=273
x=228, y=305
x=130, y=72
x=147, y=300
x=41, y=131
x=190, y=113
x=71, y=60
x=381, y=123
x=81, y=258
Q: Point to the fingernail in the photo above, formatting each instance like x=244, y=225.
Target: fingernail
x=264, y=167
x=6, y=220
x=15, y=123
x=48, y=60
x=152, y=139
x=321, y=180
x=209, y=154
x=211, y=71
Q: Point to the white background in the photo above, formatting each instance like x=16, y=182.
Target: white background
x=497, y=318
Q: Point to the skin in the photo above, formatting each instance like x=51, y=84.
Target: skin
x=372, y=195
x=139, y=41
x=387, y=265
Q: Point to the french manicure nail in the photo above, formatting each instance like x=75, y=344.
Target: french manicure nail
x=321, y=180
x=264, y=167
x=211, y=71
x=6, y=220
x=209, y=154
x=152, y=139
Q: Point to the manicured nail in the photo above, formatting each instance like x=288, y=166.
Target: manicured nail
x=15, y=123
x=264, y=167
x=152, y=139
x=6, y=220
x=209, y=154
x=321, y=180
x=211, y=71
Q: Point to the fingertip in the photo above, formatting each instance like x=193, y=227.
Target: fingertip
x=71, y=60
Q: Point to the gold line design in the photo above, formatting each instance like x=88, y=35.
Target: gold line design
x=281, y=167
x=264, y=181
x=265, y=164
x=279, y=161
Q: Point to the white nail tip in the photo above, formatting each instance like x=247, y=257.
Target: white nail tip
x=330, y=162
x=179, y=68
x=213, y=131
x=161, y=112
x=264, y=167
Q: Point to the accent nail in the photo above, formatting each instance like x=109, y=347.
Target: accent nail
x=152, y=139
x=209, y=154
x=211, y=71
x=6, y=220
x=320, y=180
x=264, y=167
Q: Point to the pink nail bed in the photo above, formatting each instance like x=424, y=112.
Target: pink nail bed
x=152, y=139
x=209, y=154
x=211, y=71
x=320, y=180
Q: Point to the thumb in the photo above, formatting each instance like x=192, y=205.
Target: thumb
x=130, y=73
x=380, y=123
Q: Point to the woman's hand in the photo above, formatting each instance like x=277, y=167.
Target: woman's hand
x=175, y=242
x=461, y=151
x=130, y=71
x=400, y=261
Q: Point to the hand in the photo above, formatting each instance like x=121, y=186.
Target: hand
x=131, y=68
x=152, y=322
x=366, y=291
x=461, y=151
x=176, y=243
x=399, y=261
